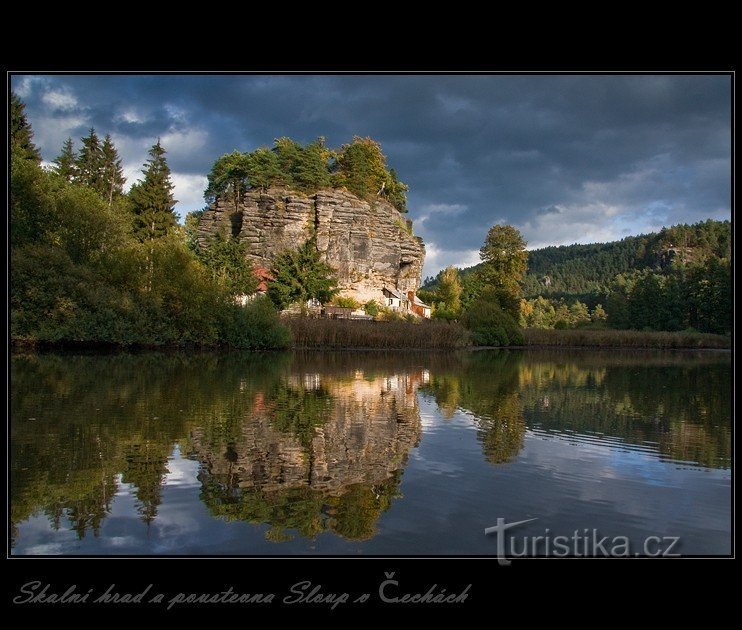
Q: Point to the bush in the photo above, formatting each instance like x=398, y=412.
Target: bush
x=255, y=326
x=345, y=302
x=372, y=308
x=489, y=325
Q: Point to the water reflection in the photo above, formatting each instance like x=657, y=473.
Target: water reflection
x=663, y=402
x=306, y=444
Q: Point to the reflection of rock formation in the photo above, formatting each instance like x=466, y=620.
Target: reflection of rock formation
x=332, y=443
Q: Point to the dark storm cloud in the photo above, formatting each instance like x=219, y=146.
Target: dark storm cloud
x=564, y=158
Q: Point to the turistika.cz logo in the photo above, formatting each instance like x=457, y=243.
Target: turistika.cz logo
x=583, y=543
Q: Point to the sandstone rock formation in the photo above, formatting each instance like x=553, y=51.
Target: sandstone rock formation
x=370, y=245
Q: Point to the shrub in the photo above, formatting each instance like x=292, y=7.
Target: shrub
x=255, y=326
x=345, y=302
x=489, y=325
x=372, y=308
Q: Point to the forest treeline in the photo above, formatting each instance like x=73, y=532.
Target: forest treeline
x=675, y=279
x=92, y=264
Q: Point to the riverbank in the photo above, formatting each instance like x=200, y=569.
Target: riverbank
x=608, y=338
x=325, y=334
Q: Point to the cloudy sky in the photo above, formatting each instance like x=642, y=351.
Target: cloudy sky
x=565, y=159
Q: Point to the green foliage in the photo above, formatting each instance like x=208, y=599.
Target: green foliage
x=228, y=177
x=255, y=325
x=504, y=262
x=79, y=275
x=190, y=229
x=345, y=302
x=490, y=324
x=225, y=258
x=112, y=173
x=449, y=289
x=152, y=198
x=64, y=163
x=21, y=134
x=300, y=275
x=89, y=164
x=359, y=166
x=372, y=308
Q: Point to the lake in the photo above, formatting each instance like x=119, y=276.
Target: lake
x=364, y=453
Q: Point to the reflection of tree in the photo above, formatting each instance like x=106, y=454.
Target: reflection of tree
x=485, y=384
x=81, y=423
x=145, y=467
x=680, y=402
x=307, y=443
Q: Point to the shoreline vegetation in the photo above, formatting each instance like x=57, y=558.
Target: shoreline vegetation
x=332, y=335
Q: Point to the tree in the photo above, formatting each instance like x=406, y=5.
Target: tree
x=90, y=162
x=263, y=168
x=396, y=191
x=311, y=168
x=21, y=134
x=112, y=174
x=152, y=198
x=65, y=162
x=489, y=324
x=505, y=260
x=362, y=167
x=449, y=289
x=300, y=275
x=229, y=178
x=225, y=259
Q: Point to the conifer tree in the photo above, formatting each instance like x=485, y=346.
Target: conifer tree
x=112, y=176
x=90, y=161
x=152, y=198
x=21, y=134
x=65, y=161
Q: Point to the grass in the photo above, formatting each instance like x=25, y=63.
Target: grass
x=607, y=338
x=332, y=333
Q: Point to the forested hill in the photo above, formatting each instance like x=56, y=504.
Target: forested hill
x=586, y=271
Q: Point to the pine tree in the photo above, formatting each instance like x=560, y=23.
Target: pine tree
x=21, y=134
x=152, y=198
x=65, y=161
x=112, y=174
x=90, y=161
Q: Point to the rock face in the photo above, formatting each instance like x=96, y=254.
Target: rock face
x=370, y=245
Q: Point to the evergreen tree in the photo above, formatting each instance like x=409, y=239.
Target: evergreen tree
x=112, y=174
x=90, y=162
x=300, y=275
x=21, y=134
x=228, y=177
x=311, y=168
x=152, y=198
x=263, y=168
x=65, y=162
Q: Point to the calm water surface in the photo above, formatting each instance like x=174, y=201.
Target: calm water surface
x=362, y=453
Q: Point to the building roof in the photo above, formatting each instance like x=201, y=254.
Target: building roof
x=264, y=276
x=393, y=293
x=419, y=302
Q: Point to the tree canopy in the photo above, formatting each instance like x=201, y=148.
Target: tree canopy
x=359, y=166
